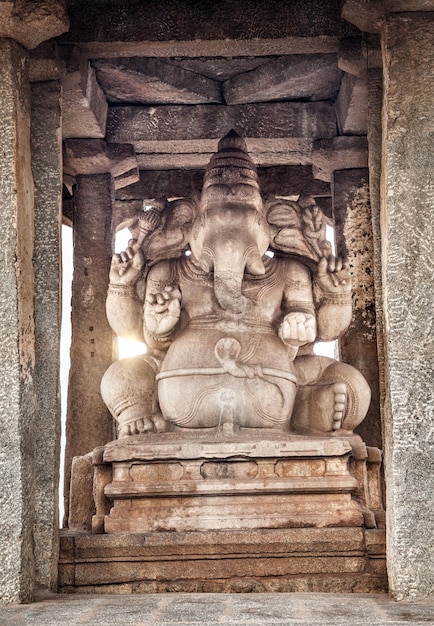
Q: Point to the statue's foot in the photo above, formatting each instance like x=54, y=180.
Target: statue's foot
x=331, y=402
x=339, y=399
x=135, y=425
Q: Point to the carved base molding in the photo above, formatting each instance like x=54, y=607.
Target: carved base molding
x=179, y=484
x=267, y=560
x=238, y=511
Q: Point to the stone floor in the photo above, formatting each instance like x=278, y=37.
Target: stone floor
x=280, y=609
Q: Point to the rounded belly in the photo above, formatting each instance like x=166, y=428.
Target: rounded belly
x=210, y=377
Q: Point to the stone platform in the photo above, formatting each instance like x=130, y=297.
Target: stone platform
x=296, y=559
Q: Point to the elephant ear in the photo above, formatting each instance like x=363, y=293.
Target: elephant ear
x=293, y=231
x=171, y=239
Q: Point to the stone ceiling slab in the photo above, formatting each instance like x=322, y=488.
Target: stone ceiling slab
x=152, y=81
x=219, y=68
x=298, y=77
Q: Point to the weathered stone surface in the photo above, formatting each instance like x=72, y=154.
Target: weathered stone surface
x=195, y=154
x=81, y=505
x=354, y=240
x=47, y=175
x=282, y=181
x=44, y=64
x=169, y=20
x=224, y=50
x=141, y=125
x=87, y=157
x=352, y=55
x=88, y=422
x=375, y=99
x=174, y=485
x=152, y=81
x=17, y=393
x=31, y=23
x=339, y=153
x=368, y=14
x=84, y=107
x=408, y=231
x=307, y=77
x=351, y=105
x=218, y=68
x=226, y=561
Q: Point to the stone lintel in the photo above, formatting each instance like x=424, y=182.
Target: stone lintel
x=339, y=153
x=31, y=23
x=323, y=44
x=85, y=157
x=312, y=120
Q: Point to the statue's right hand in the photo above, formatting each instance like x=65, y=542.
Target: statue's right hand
x=126, y=267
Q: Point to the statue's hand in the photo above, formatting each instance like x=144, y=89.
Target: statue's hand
x=297, y=329
x=333, y=276
x=126, y=267
x=162, y=311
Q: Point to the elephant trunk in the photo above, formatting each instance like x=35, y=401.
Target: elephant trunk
x=228, y=278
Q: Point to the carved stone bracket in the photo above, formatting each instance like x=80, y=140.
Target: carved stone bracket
x=95, y=156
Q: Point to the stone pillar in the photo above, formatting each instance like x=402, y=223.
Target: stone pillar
x=17, y=353
x=408, y=269
x=89, y=423
x=47, y=174
x=353, y=232
x=98, y=168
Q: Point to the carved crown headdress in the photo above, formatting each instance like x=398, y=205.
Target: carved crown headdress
x=231, y=175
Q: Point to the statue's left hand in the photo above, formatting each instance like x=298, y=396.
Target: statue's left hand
x=333, y=275
x=162, y=311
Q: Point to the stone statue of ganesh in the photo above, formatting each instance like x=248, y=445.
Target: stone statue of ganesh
x=229, y=326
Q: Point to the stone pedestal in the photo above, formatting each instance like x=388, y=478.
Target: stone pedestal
x=176, y=484
x=253, y=512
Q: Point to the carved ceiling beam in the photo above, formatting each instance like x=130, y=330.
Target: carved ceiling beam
x=368, y=15
x=87, y=157
x=167, y=137
x=31, y=22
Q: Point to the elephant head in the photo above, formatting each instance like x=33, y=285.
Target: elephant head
x=230, y=235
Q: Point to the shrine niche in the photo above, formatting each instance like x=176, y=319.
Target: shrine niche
x=230, y=421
